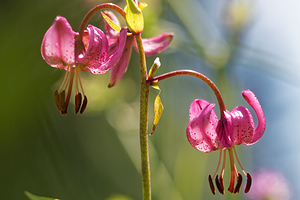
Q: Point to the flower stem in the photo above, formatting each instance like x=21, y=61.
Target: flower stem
x=97, y=8
x=144, y=96
x=198, y=75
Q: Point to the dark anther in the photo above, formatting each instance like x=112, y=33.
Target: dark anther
x=62, y=97
x=211, y=184
x=78, y=99
x=238, y=184
x=60, y=101
x=83, y=106
x=219, y=184
x=64, y=108
x=57, y=100
x=249, y=181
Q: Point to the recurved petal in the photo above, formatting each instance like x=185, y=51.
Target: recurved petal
x=97, y=49
x=57, y=47
x=196, y=108
x=254, y=103
x=201, y=130
x=241, y=125
x=120, y=68
x=101, y=63
x=156, y=44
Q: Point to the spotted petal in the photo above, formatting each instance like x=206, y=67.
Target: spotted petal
x=96, y=51
x=240, y=125
x=201, y=130
x=57, y=47
x=96, y=59
x=156, y=44
x=254, y=103
x=120, y=68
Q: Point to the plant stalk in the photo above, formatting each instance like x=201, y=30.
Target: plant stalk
x=144, y=147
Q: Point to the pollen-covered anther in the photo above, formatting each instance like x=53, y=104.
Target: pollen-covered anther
x=83, y=106
x=219, y=184
x=211, y=184
x=78, y=99
x=238, y=184
x=59, y=99
x=249, y=181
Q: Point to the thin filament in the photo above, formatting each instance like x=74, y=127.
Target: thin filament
x=223, y=167
x=76, y=80
x=237, y=159
x=79, y=79
x=64, y=81
x=220, y=158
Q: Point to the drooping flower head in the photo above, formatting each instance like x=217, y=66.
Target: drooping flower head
x=58, y=49
x=271, y=185
x=207, y=133
x=151, y=46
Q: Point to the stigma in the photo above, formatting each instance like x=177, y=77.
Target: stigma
x=63, y=94
x=235, y=175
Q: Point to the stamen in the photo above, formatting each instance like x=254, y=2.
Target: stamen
x=78, y=99
x=237, y=159
x=249, y=181
x=211, y=184
x=219, y=184
x=239, y=183
x=83, y=106
x=64, y=81
x=57, y=100
x=62, y=100
x=71, y=78
x=79, y=80
x=219, y=162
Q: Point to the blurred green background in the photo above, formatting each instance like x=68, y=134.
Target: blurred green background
x=95, y=156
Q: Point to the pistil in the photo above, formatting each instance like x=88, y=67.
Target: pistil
x=232, y=171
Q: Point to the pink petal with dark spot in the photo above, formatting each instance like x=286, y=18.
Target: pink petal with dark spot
x=254, y=103
x=156, y=44
x=201, y=130
x=241, y=126
x=120, y=68
x=57, y=47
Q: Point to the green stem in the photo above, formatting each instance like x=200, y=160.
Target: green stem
x=198, y=75
x=97, y=8
x=144, y=96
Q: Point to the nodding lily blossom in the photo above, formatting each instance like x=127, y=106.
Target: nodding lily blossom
x=58, y=50
x=207, y=133
x=271, y=185
x=151, y=46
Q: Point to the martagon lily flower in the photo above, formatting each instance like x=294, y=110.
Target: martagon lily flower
x=151, y=46
x=58, y=49
x=206, y=133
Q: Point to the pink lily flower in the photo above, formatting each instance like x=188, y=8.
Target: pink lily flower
x=58, y=50
x=206, y=133
x=151, y=46
x=270, y=184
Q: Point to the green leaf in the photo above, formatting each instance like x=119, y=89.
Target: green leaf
x=142, y=5
x=154, y=68
x=158, y=109
x=34, y=197
x=134, y=17
x=110, y=22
